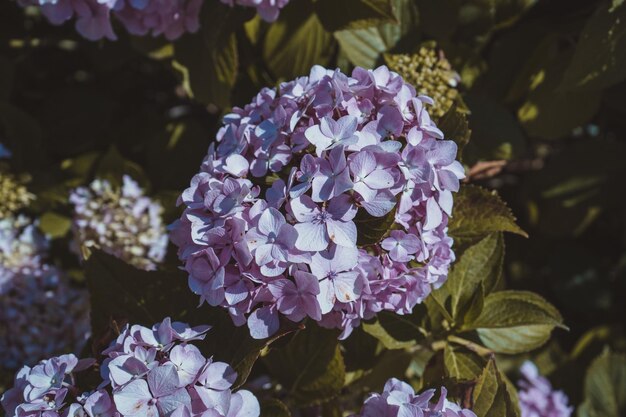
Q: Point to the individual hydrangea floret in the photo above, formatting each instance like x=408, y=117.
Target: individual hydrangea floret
x=13, y=195
x=121, y=221
x=327, y=196
x=431, y=74
x=40, y=312
x=398, y=399
x=267, y=9
x=146, y=372
x=537, y=397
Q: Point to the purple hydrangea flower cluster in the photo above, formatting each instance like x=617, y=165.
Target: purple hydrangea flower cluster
x=40, y=312
x=170, y=18
x=146, y=372
x=267, y=9
x=399, y=399
x=122, y=222
x=537, y=397
x=270, y=222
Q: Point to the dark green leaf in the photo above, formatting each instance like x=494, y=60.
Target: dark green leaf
x=454, y=126
x=439, y=18
x=373, y=229
x=274, y=408
x=462, y=364
x=491, y=396
x=496, y=133
x=515, y=321
x=548, y=112
x=208, y=60
x=478, y=212
x=477, y=272
x=390, y=364
x=113, y=166
x=21, y=133
x=353, y=14
x=310, y=366
x=600, y=56
x=296, y=42
x=605, y=387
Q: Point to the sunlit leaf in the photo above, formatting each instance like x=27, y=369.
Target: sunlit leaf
x=479, y=212
x=296, y=42
x=515, y=321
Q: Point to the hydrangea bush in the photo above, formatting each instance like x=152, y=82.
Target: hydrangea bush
x=168, y=18
x=398, y=399
x=154, y=371
x=121, y=221
x=40, y=312
x=537, y=397
x=338, y=150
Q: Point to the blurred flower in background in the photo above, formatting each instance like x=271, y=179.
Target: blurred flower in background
x=120, y=221
x=41, y=313
x=537, y=397
x=13, y=194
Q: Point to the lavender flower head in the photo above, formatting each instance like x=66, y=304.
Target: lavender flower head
x=399, y=399
x=537, y=397
x=120, y=221
x=168, y=18
x=146, y=372
x=267, y=9
x=40, y=312
x=270, y=221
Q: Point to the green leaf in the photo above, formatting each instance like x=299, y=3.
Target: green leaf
x=492, y=396
x=354, y=14
x=477, y=272
x=274, y=408
x=310, y=366
x=396, y=331
x=515, y=321
x=120, y=293
x=477, y=213
x=296, y=42
x=605, y=387
x=113, y=166
x=462, y=364
x=600, y=56
x=496, y=132
x=365, y=46
x=208, y=60
x=373, y=229
x=454, y=126
x=54, y=225
x=439, y=19
x=390, y=364
x=549, y=112
x=22, y=134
